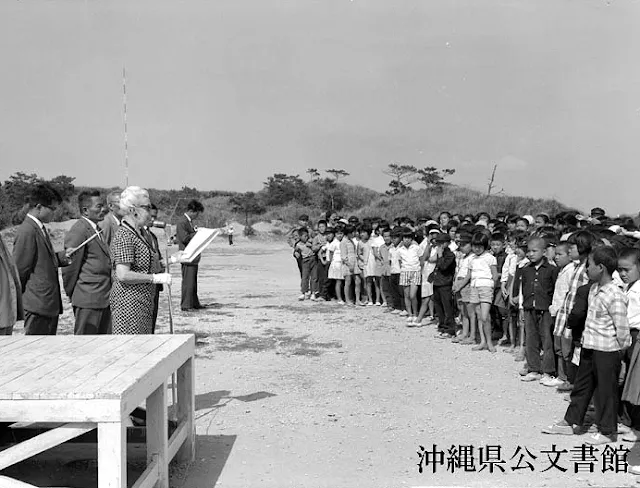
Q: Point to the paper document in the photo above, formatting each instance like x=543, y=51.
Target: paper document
x=199, y=243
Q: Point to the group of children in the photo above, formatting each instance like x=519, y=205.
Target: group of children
x=560, y=293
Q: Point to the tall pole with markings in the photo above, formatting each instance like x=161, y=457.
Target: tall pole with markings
x=126, y=144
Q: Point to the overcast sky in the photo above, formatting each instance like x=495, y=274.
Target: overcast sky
x=224, y=93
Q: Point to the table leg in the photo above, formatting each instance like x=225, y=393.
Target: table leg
x=157, y=433
x=112, y=455
x=186, y=411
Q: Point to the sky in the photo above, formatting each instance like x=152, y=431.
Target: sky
x=222, y=94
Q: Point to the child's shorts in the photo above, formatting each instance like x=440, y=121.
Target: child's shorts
x=481, y=294
x=335, y=271
x=465, y=294
x=410, y=278
x=427, y=289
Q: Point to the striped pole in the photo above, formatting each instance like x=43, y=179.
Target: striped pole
x=126, y=144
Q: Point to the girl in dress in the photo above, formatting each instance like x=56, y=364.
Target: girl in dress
x=334, y=256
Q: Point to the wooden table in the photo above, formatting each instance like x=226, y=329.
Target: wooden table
x=89, y=382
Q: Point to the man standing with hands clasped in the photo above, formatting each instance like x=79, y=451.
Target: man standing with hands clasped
x=185, y=230
x=87, y=280
x=38, y=264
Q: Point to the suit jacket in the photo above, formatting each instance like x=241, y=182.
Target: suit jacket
x=87, y=280
x=37, y=264
x=11, y=293
x=109, y=227
x=185, y=232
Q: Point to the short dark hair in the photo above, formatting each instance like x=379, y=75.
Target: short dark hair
x=544, y=217
x=606, y=256
x=304, y=217
x=497, y=236
x=330, y=230
x=598, y=211
x=303, y=230
x=408, y=233
x=85, y=196
x=583, y=240
x=44, y=194
x=630, y=253
x=322, y=221
x=480, y=239
x=195, y=206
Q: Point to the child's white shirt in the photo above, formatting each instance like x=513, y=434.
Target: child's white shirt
x=410, y=257
x=481, y=270
x=563, y=283
x=509, y=267
x=633, y=308
x=463, y=266
x=334, y=248
x=394, y=254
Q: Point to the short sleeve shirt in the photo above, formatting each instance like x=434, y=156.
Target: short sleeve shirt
x=481, y=270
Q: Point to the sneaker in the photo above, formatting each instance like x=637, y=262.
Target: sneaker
x=411, y=322
x=623, y=429
x=417, y=323
x=411, y=319
x=634, y=469
x=395, y=311
x=404, y=313
x=531, y=376
x=341, y=302
x=307, y=295
x=302, y=297
x=599, y=439
x=551, y=381
x=558, y=429
x=313, y=298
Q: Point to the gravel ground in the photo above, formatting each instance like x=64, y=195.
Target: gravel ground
x=313, y=394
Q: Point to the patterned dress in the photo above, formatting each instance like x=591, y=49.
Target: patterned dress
x=131, y=304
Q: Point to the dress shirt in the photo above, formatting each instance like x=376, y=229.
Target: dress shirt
x=607, y=326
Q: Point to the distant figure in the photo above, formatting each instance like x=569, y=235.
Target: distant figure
x=87, y=280
x=185, y=230
x=159, y=265
x=11, y=299
x=112, y=220
x=132, y=258
x=230, y=233
x=38, y=264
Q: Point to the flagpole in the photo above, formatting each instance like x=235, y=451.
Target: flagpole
x=126, y=143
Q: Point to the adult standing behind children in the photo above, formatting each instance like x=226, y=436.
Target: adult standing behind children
x=111, y=222
x=87, y=280
x=185, y=230
x=11, y=296
x=38, y=264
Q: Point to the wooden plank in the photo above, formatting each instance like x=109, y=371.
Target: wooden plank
x=60, y=410
x=149, y=477
x=186, y=410
x=138, y=387
x=11, y=343
x=47, y=363
x=6, y=482
x=92, y=387
x=177, y=440
x=153, y=360
x=5, y=340
x=42, y=442
x=112, y=455
x=82, y=369
x=157, y=433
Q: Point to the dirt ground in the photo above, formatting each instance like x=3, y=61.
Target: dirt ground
x=293, y=394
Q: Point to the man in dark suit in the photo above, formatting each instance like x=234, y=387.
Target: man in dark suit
x=87, y=280
x=38, y=264
x=111, y=222
x=11, y=293
x=185, y=230
x=158, y=266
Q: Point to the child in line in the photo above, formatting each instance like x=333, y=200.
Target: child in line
x=410, y=275
x=605, y=336
x=517, y=309
x=442, y=281
x=499, y=310
x=483, y=275
x=561, y=345
x=629, y=270
x=304, y=252
x=428, y=263
x=348, y=252
x=384, y=252
x=580, y=246
x=324, y=261
x=538, y=280
x=394, y=271
x=336, y=268
x=319, y=240
x=467, y=312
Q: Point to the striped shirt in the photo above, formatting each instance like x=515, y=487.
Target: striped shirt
x=562, y=288
x=578, y=279
x=607, y=327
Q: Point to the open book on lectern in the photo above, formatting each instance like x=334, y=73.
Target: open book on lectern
x=199, y=243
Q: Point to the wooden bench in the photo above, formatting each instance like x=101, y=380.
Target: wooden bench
x=95, y=382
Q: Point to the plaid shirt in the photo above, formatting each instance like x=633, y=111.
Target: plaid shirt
x=578, y=279
x=607, y=326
